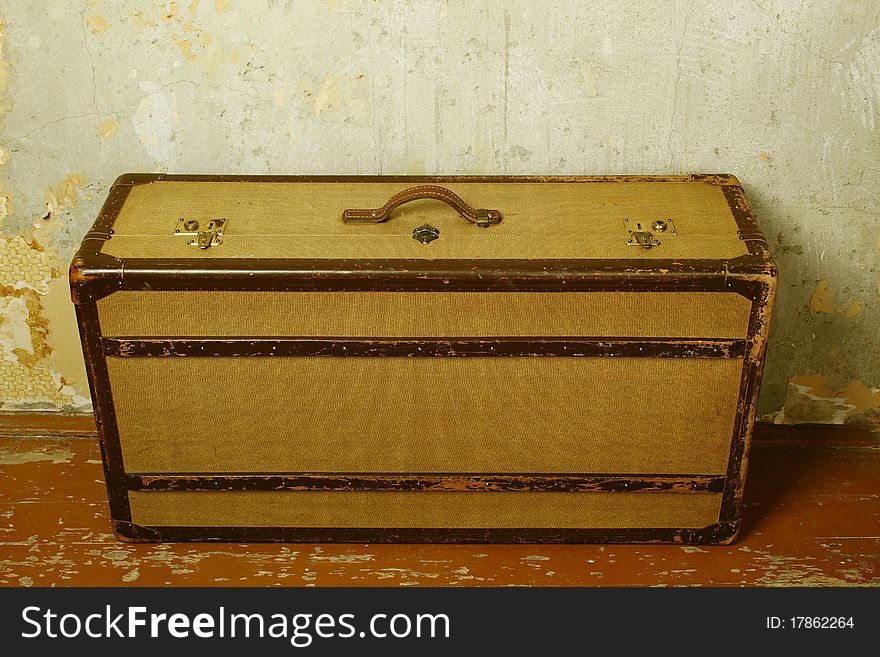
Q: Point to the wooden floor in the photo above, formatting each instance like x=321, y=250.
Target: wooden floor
x=812, y=519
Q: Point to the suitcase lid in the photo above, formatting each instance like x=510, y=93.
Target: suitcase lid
x=686, y=217
x=463, y=232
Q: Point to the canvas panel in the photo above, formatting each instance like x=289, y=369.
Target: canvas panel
x=425, y=314
x=531, y=414
x=386, y=509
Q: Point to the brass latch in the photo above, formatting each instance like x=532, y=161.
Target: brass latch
x=201, y=234
x=640, y=233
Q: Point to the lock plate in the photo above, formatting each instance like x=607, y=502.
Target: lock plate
x=647, y=234
x=425, y=233
x=201, y=233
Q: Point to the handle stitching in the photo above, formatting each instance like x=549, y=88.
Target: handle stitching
x=419, y=192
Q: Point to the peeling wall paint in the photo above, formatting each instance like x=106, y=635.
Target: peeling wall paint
x=32, y=265
x=811, y=398
x=783, y=94
x=823, y=301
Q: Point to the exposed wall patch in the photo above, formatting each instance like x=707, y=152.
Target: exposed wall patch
x=5, y=206
x=97, y=24
x=23, y=267
x=327, y=95
x=108, y=128
x=154, y=125
x=821, y=300
x=810, y=399
x=15, y=336
x=4, y=67
x=65, y=194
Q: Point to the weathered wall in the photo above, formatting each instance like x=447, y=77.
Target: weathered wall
x=785, y=94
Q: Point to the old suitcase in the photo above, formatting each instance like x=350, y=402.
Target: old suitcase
x=379, y=359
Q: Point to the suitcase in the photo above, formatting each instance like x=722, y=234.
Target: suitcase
x=424, y=359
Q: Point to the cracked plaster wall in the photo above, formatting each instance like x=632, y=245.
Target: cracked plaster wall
x=784, y=94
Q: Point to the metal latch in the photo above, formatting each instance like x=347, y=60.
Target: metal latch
x=425, y=233
x=201, y=234
x=640, y=233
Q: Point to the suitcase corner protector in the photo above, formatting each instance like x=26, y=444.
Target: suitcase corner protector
x=93, y=275
x=720, y=533
x=131, y=179
x=129, y=532
x=729, y=532
x=723, y=179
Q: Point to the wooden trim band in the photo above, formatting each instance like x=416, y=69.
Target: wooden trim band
x=428, y=482
x=105, y=413
x=750, y=385
x=722, y=179
x=318, y=273
x=94, y=275
x=531, y=346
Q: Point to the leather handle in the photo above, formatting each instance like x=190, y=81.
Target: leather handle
x=480, y=217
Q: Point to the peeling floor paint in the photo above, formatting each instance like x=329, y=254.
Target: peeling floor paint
x=13, y=457
x=810, y=521
x=343, y=558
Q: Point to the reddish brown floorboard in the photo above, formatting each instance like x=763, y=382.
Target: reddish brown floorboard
x=812, y=519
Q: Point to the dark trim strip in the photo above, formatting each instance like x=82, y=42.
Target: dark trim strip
x=142, y=178
x=529, y=483
x=749, y=231
x=525, y=346
x=731, y=500
x=295, y=275
x=750, y=385
x=105, y=415
x=285, y=274
x=719, y=533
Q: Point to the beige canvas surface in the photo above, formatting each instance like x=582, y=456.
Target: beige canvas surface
x=425, y=314
x=433, y=510
x=541, y=220
x=429, y=414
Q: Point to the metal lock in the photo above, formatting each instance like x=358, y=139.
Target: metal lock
x=639, y=233
x=201, y=234
x=425, y=233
